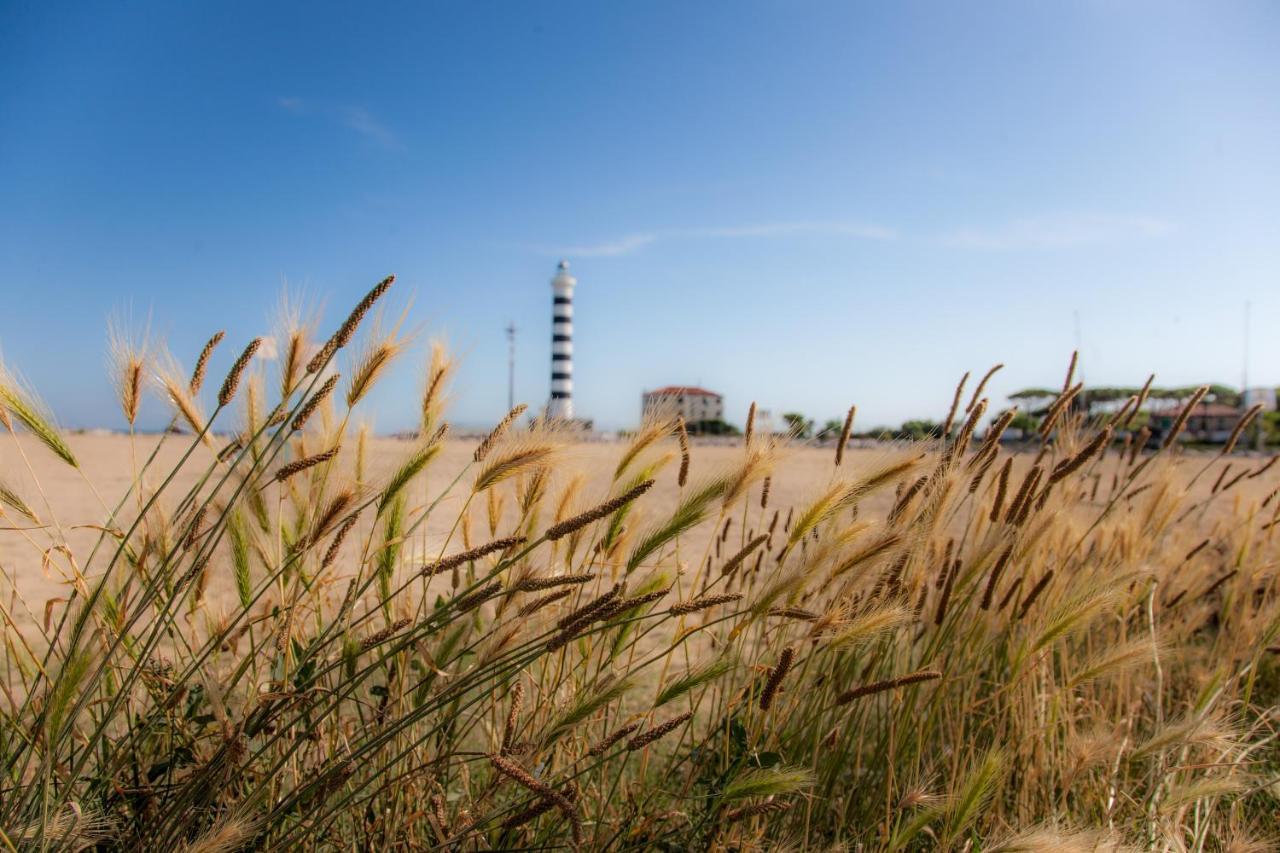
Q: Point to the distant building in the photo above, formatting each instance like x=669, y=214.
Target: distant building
x=764, y=421
x=697, y=405
x=1207, y=422
x=1265, y=396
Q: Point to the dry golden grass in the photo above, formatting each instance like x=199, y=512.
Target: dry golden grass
x=306, y=637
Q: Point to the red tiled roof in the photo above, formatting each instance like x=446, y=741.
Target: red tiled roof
x=678, y=390
x=1209, y=410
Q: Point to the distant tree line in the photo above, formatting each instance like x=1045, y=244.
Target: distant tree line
x=712, y=427
x=1033, y=404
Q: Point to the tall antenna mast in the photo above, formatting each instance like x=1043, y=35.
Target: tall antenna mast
x=511, y=365
x=1075, y=315
x=1244, y=369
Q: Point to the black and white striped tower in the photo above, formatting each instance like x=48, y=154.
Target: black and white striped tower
x=561, y=404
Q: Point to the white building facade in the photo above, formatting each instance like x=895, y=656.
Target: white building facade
x=695, y=404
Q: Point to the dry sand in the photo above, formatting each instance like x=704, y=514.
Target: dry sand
x=78, y=499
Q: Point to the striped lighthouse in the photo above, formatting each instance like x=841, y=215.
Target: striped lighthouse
x=561, y=404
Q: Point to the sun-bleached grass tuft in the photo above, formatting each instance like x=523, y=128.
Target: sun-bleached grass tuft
x=128, y=368
x=21, y=405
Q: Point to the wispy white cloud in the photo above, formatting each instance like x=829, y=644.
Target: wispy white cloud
x=778, y=229
x=1062, y=231
x=352, y=117
x=622, y=246
x=359, y=120
x=634, y=242
x=268, y=350
x=1058, y=231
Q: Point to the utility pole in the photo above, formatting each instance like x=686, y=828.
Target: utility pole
x=1079, y=346
x=1244, y=370
x=511, y=365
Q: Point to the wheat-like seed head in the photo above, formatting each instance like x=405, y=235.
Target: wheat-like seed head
x=981, y=386
x=657, y=425
x=497, y=433
x=177, y=391
x=887, y=684
x=128, y=368
x=21, y=404
x=347, y=330
x=227, y=835
x=955, y=406
x=513, y=458
x=202, y=362
x=845, y=431
x=375, y=359
x=785, y=659
x=232, y=382
x=295, y=327
x=661, y=730
x=1056, y=840
x=316, y=400
x=682, y=434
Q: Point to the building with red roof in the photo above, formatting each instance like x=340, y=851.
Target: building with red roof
x=697, y=405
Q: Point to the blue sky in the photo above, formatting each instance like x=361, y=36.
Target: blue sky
x=809, y=204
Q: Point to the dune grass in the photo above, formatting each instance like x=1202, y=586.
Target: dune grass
x=1063, y=648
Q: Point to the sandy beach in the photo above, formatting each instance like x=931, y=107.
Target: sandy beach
x=78, y=500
